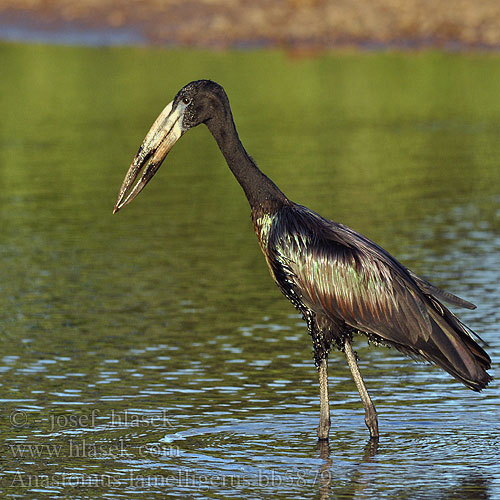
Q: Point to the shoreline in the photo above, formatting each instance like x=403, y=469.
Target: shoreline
x=292, y=25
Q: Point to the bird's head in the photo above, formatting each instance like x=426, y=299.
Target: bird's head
x=198, y=102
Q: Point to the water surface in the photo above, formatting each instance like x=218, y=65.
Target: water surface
x=149, y=354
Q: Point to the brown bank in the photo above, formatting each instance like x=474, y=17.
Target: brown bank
x=289, y=23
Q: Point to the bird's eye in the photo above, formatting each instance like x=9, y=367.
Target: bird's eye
x=186, y=100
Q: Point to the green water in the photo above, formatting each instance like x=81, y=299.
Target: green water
x=149, y=354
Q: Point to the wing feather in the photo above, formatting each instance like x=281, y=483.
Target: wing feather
x=335, y=276
x=342, y=275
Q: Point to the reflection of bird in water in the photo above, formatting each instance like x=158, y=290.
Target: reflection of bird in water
x=329, y=475
x=476, y=485
x=366, y=477
x=340, y=281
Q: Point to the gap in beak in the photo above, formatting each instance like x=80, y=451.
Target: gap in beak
x=133, y=179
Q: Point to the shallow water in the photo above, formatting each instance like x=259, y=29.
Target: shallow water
x=149, y=354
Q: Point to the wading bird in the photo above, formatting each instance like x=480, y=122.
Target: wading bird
x=339, y=280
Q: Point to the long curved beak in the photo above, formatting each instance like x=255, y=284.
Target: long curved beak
x=165, y=132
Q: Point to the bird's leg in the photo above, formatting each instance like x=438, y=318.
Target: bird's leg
x=370, y=412
x=324, y=410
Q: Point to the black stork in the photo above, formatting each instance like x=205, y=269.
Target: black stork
x=339, y=280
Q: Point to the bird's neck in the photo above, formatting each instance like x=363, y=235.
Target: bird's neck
x=259, y=189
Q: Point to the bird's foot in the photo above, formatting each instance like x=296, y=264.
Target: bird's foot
x=371, y=422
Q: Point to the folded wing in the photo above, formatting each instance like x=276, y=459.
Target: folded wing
x=345, y=276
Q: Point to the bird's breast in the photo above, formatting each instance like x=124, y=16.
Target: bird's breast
x=262, y=223
x=262, y=226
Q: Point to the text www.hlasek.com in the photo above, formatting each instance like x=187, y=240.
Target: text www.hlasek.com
x=82, y=448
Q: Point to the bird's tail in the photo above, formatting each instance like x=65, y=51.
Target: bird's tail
x=452, y=347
